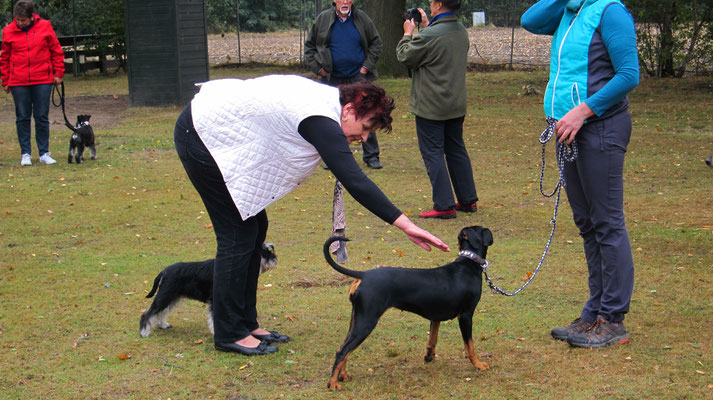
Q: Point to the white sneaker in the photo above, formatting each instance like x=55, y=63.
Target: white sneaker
x=45, y=158
x=26, y=160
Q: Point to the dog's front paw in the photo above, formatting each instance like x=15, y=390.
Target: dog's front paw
x=481, y=365
x=333, y=386
x=430, y=355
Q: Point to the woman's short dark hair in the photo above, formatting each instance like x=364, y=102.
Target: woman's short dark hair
x=24, y=8
x=368, y=98
x=453, y=5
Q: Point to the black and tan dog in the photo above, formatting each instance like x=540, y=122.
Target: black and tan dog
x=192, y=280
x=437, y=294
x=82, y=136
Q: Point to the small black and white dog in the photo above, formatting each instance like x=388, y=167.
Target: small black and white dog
x=82, y=136
x=193, y=280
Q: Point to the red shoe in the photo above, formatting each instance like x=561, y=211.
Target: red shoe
x=467, y=208
x=447, y=214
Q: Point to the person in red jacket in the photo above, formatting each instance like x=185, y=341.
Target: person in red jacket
x=31, y=61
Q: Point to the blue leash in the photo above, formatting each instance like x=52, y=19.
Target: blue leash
x=564, y=153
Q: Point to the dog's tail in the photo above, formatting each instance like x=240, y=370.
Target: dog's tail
x=156, y=282
x=337, y=267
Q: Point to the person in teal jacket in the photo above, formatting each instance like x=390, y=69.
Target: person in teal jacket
x=594, y=65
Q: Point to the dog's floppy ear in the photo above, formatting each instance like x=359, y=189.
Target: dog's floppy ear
x=487, y=237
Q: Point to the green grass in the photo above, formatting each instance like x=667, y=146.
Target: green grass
x=81, y=245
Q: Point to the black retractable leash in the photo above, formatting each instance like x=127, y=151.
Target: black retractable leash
x=565, y=153
x=59, y=90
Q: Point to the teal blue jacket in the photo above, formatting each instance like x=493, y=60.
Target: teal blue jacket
x=593, y=58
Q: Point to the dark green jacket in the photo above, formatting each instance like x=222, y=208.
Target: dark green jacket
x=317, y=54
x=438, y=58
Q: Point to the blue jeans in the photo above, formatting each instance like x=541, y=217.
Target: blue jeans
x=595, y=189
x=32, y=100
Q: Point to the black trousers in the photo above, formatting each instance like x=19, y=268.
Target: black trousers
x=237, y=259
x=447, y=161
x=370, y=148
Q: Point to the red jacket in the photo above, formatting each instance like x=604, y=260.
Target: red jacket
x=30, y=58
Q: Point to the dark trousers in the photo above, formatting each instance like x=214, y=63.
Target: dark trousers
x=370, y=148
x=32, y=101
x=237, y=259
x=447, y=161
x=595, y=189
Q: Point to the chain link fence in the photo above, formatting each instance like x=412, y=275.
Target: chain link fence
x=497, y=40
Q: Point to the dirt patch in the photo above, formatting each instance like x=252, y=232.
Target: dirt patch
x=105, y=110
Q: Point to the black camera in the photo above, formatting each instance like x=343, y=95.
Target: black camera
x=414, y=14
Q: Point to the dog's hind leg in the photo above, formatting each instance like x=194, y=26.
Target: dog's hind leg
x=432, y=340
x=210, y=319
x=157, y=314
x=92, y=152
x=362, y=323
x=79, y=156
x=71, y=153
x=465, y=321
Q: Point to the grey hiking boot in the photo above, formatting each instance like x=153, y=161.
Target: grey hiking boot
x=602, y=333
x=577, y=326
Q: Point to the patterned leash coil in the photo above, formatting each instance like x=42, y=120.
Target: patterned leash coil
x=564, y=153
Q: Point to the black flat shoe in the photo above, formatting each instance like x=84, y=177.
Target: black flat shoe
x=261, y=349
x=273, y=337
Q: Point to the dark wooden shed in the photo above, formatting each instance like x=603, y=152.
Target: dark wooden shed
x=167, y=50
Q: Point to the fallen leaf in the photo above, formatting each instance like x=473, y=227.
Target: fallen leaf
x=199, y=341
x=123, y=356
x=698, y=371
x=208, y=226
x=290, y=317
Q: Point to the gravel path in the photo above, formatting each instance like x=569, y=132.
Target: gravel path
x=487, y=46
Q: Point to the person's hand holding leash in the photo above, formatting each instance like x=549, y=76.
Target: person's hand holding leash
x=569, y=125
x=419, y=236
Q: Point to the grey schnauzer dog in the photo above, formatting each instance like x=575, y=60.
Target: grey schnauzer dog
x=192, y=280
x=82, y=136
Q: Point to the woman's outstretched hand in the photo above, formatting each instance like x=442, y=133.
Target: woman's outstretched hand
x=419, y=236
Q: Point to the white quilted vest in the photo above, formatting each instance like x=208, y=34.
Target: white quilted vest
x=250, y=128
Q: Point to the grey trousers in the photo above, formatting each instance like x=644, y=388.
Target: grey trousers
x=595, y=189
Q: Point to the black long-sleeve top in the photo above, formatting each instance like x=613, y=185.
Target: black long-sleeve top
x=327, y=137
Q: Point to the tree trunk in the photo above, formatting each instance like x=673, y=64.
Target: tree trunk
x=386, y=15
x=668, y=44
